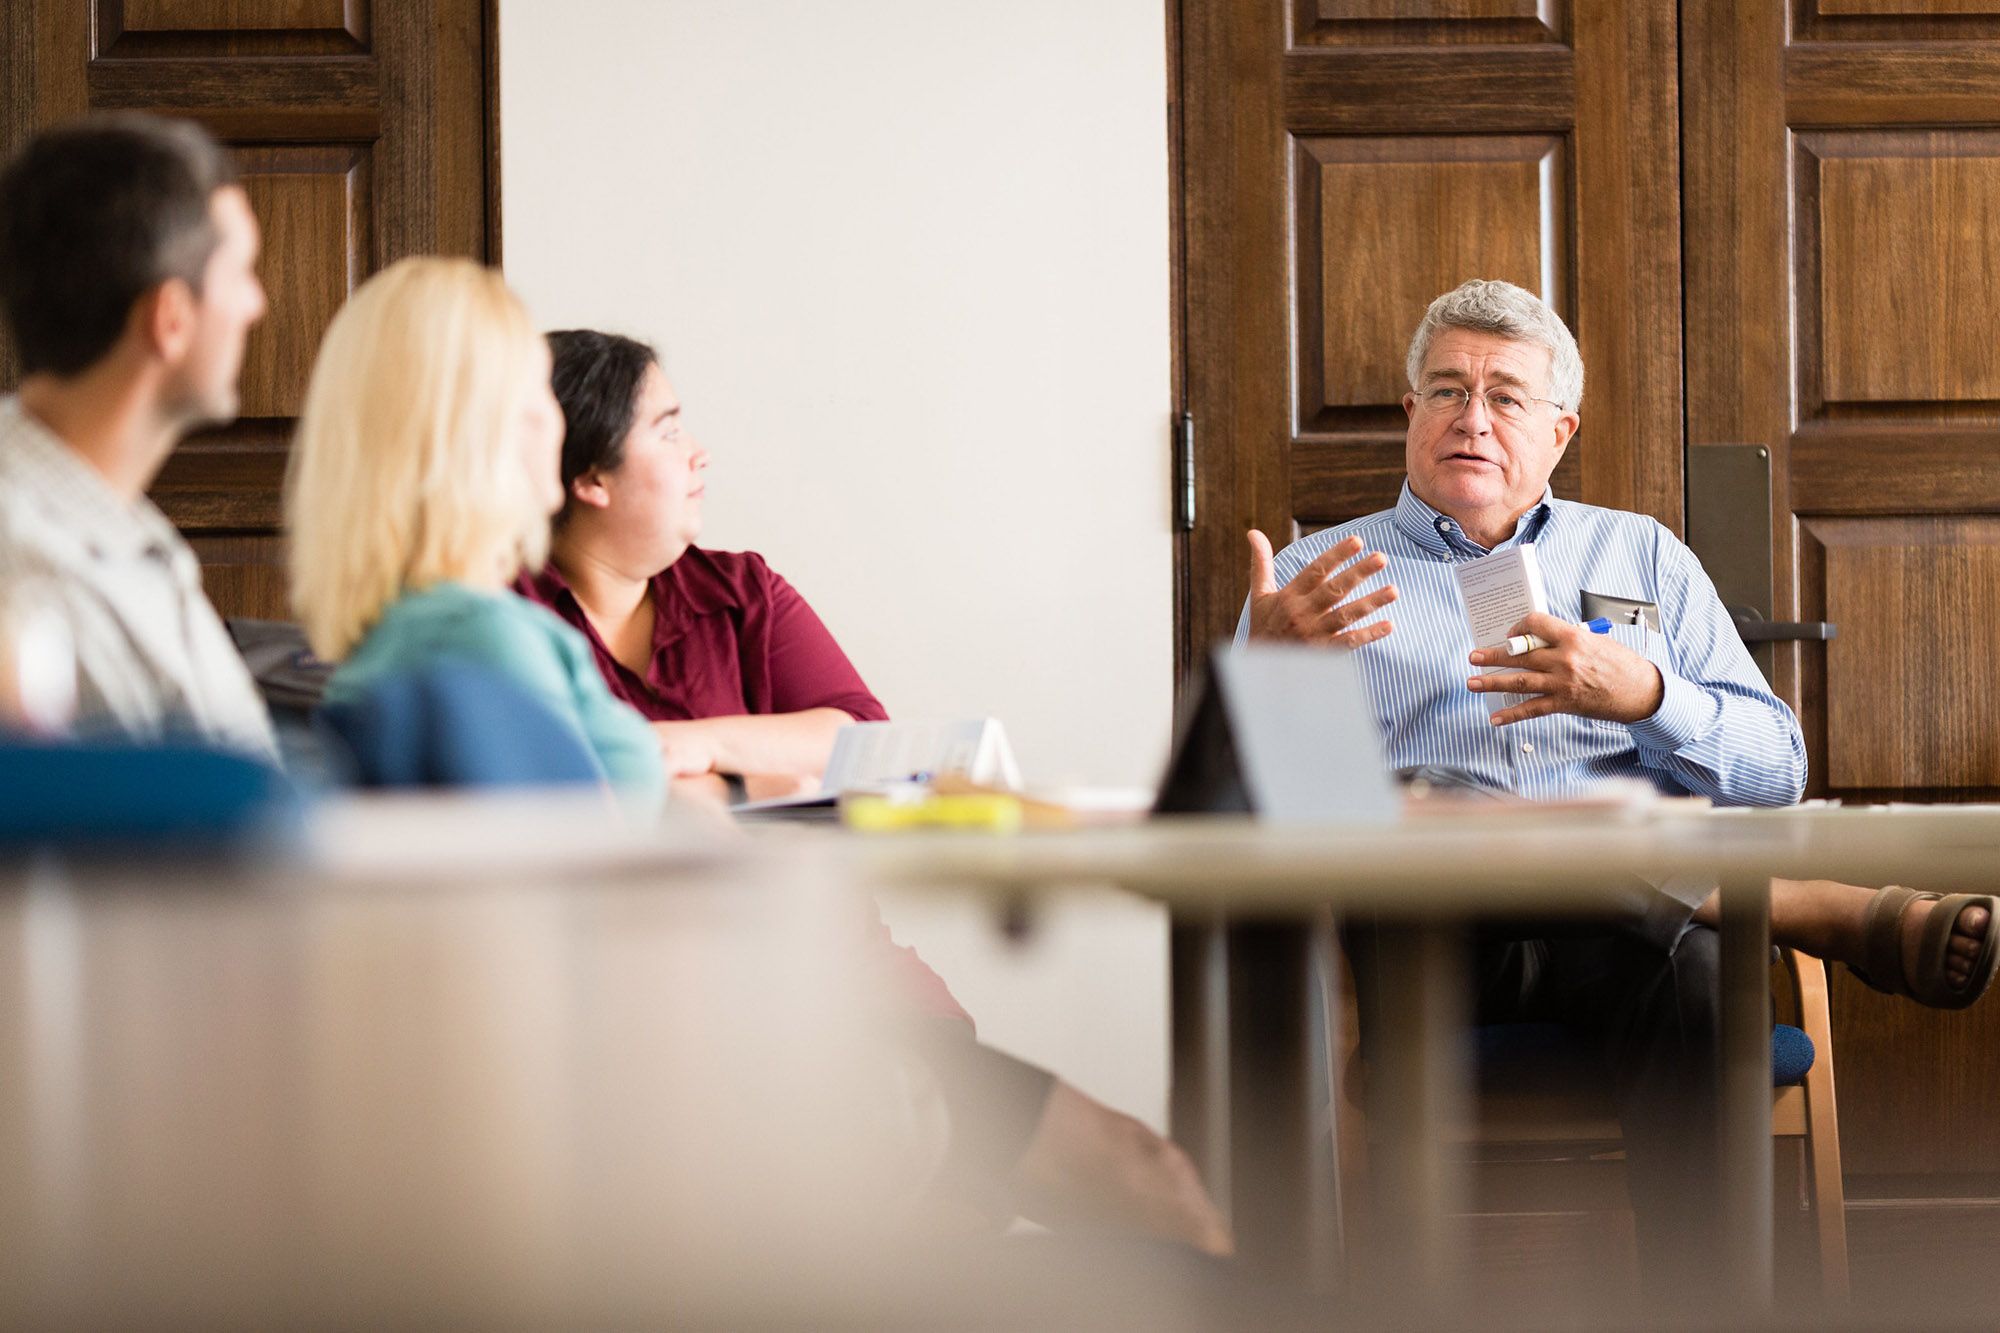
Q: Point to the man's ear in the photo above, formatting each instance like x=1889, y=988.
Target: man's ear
x=589, y=489
x=1566, y=425
x=164, y=318
x=1410, y=403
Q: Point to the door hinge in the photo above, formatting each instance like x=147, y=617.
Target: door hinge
x=1184, y=465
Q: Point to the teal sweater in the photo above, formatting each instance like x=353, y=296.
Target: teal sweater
x=527, y=644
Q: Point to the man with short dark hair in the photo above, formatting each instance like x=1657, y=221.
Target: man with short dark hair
x=128, y=283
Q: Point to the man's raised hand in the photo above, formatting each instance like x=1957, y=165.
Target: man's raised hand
x=1314, y=606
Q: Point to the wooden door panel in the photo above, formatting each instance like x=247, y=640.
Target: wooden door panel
x=230, y=15
x=226, y=481
x=1908, y=699
x=1917, y=1088
x=1383, y=226
x=1877, y=20
x=1893, y=249
x=1432, y=21
x=1940, y=467
x=138, y=28
x=1499, y=88
x=313, y=206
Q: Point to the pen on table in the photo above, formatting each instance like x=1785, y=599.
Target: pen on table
x=1517, y=644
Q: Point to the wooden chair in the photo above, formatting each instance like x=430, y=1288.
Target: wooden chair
x=1524, y=1128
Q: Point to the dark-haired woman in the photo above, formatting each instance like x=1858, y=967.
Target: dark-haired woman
x=733, y=668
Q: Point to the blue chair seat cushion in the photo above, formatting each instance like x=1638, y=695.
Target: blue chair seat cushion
x=1545, y=1053
x=110, y=795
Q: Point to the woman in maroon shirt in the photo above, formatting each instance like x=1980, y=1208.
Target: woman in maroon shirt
x=737, y=674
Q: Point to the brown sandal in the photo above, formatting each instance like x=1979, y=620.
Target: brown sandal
x=1882, y=945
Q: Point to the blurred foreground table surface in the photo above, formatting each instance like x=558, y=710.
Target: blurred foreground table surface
x=508, y=1060
x=1250, y=1061
x=458, y=1060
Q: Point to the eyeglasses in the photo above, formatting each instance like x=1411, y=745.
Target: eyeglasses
x=1504, y=404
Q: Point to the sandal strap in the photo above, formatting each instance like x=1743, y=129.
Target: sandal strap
x=1882, y=937
x=1932, y=950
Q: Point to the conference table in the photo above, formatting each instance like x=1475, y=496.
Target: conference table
x=1248, y=901
x=465, y=1058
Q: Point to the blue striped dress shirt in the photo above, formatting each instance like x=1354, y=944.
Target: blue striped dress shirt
x=1719, y=731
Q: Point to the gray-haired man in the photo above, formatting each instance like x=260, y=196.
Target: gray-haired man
x=1496, y=387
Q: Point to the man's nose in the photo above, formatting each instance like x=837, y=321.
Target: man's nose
x=1475, y=418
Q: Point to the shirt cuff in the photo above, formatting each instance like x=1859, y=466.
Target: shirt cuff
x=1685, y=713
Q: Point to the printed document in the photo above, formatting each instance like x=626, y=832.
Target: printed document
x=1499, y=591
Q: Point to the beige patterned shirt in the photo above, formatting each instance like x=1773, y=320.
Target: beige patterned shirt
x=153, y=659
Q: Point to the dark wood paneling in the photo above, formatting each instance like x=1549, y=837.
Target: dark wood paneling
x=1335, y=481
x=1915, y=599
x=140, y=28
x=431, y=160
x=1737, y=244
x=1334, y=11
x=245, y=573
x=226, y=481
x=1428, y=22
x=38, y=46
x=1394, y=91
x=1891, y=236
x=1918, y=1259
x=1917, y=1086
x=1876, y=21
x=1183, y=477
x=1936, y=468
x=1384, y=225
x=1841, y=84
x=264, y=98
x=231, y=15
x=1905, y=8
x=1839, y=275
x=313, y=206
x=1627, y=293
x=1237, y=280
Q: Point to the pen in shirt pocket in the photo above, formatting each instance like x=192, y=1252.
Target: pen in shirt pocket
x=1517, y=644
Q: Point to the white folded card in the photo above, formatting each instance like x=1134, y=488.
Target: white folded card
x=1500, y=591
x=871, y=755
x=1305, y=735
x=1284, y=731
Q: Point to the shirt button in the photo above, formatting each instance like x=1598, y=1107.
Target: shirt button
x=1527, y=747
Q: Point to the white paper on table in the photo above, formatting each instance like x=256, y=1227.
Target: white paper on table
x=866, y=754
x=873, y=756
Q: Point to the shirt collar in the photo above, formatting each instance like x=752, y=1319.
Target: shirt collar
x=682, y=580
x=1440, y=535
x=102, y=522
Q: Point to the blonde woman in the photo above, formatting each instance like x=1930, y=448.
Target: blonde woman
x=421, y=481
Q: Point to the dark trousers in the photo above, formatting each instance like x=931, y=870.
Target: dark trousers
x=1644, y=1003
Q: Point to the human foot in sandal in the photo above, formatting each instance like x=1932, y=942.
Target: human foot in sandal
x=1940, y=951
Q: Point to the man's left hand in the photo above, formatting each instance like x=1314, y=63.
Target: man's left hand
x=1590, y=675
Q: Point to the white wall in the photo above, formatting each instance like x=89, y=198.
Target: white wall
x=907, y=264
